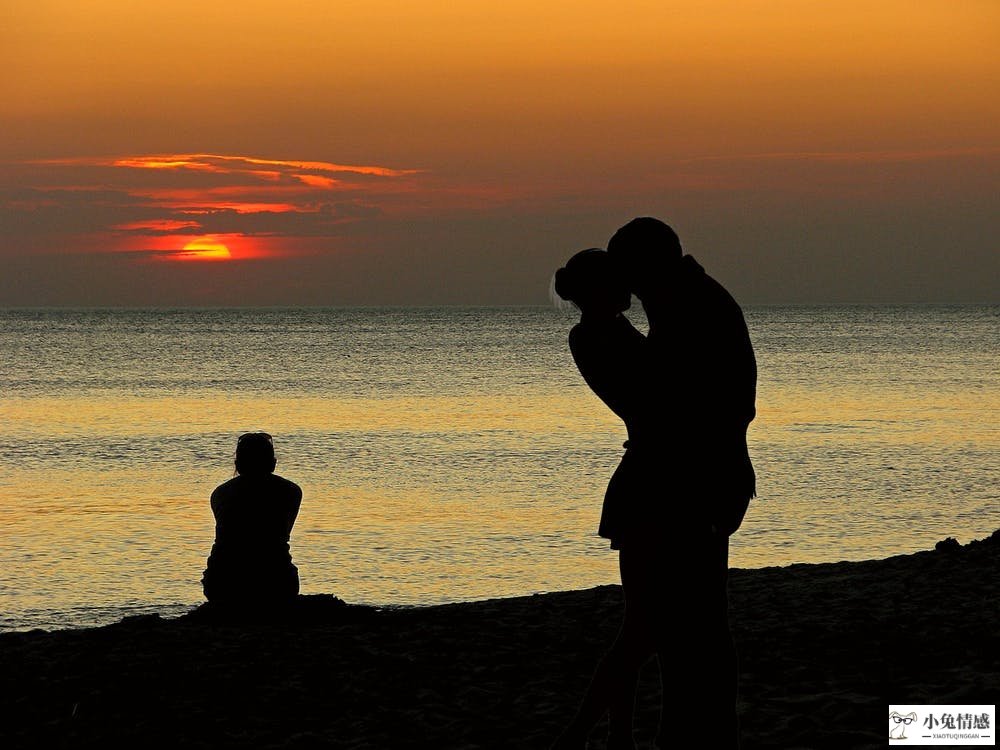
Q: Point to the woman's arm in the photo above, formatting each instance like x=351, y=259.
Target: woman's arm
x=612, y=362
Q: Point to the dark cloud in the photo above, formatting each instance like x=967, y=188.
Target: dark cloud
x=320, y=220
x=41, y=212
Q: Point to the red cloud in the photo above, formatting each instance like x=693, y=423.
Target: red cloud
x=161, y=202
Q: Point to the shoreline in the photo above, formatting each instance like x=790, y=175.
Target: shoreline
x=823, y=649
x=151, y=610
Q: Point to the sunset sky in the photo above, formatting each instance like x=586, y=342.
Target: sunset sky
x=339, y=153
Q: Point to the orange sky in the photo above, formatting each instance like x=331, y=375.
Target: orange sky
x=804, y=152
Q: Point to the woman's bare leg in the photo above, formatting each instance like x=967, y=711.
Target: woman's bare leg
x=620, y=713
x=612, y=688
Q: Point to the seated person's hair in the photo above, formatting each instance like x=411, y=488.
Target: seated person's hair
x=255, y=454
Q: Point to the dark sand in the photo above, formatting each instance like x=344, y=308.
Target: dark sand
x=823, y=649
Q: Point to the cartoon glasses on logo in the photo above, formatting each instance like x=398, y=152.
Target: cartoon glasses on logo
x=898, y=724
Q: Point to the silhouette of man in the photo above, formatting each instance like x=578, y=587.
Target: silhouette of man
x=702, y=399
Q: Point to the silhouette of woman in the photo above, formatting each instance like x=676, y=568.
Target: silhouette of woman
x=610, y=354
x=250, y=565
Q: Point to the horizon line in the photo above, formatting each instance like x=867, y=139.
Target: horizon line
x=467, y=306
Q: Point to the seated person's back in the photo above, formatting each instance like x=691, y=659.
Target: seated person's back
x=254, y=512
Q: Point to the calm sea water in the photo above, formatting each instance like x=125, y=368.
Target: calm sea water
x=453, y=454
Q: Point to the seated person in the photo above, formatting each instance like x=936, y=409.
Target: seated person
x=250, y=563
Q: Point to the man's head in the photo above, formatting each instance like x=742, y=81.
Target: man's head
x=648, y=251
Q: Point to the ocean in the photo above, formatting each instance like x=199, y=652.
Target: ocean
x=452, y=454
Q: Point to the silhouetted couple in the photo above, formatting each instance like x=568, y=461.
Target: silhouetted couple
x=250, y=569
x=686, y=394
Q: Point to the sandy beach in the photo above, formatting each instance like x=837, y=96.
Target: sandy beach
x=823, y=649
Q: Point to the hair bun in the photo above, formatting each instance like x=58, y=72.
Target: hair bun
x=566, y=284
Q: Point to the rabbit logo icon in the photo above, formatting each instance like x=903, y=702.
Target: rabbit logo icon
x=898, y=724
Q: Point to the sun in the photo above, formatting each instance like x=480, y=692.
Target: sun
x=204, y=248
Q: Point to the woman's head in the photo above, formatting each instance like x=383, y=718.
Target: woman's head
x=255, y=454
x=592, y=280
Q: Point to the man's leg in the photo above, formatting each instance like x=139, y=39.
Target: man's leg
x=697, y=656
